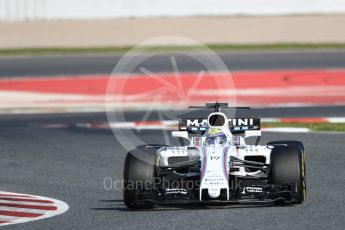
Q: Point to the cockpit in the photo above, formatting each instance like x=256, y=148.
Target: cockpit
x=218, y=132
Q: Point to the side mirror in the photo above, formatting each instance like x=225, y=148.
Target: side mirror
x=253, y=133
x=181, y=135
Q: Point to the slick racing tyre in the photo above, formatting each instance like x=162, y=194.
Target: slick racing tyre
x=288, y=166
x=138, y=179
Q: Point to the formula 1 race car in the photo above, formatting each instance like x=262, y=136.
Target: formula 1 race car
x=214, y=165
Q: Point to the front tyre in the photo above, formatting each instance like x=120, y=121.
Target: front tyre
x=288, y=166
x=138, y=179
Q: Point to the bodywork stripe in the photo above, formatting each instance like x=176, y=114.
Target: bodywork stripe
x=225, y=167
x=204, y=162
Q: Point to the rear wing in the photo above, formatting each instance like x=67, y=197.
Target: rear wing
x=236, y=125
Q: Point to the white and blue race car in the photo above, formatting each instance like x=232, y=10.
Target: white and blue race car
x=214, y=165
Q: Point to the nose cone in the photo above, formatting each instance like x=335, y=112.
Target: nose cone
x=214, y=193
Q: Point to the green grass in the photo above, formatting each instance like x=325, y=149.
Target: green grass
x=215, y=47
x=334, y=127
x=281, y=46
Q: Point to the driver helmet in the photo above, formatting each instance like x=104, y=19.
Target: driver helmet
x=216, y=137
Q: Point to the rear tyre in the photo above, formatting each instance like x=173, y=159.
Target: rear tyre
x=288, y=166
x=138, y=175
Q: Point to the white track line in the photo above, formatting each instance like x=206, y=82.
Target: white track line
x=286, y=130
x=336, y=120
x=26, y=210
x=26, y=203
x=7, y=218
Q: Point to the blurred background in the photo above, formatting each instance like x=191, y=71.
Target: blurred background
x=104, y=23
x=75, y=39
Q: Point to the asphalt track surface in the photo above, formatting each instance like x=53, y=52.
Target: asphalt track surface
x=104, y=64
x=70, y=164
